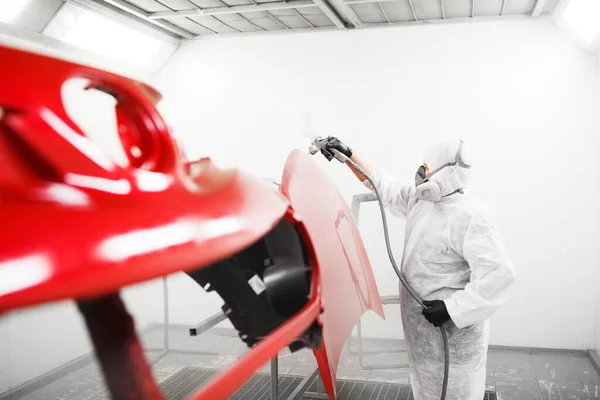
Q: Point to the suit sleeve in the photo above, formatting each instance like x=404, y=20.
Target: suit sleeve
x=492, y=274
x=394, y=194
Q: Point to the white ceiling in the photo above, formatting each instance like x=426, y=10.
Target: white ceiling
x=219, y=17
x=190, y=19
x=173, y=20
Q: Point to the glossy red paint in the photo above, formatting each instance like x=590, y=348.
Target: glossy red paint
x=348, y=284
x=76, y=225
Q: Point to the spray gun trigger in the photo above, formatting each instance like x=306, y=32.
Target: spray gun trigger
x=328, y=155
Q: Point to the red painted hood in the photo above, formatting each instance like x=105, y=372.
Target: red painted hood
x=348, y=284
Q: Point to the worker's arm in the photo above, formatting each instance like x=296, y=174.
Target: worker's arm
x=366, y=167
x=333, y=143
x=492, y=274
x=394, y=194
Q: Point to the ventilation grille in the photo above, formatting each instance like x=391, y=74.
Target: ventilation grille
x=187, y=380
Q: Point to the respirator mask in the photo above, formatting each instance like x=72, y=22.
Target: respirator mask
x=441, y=182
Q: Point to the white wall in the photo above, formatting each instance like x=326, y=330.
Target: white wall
x=597, y=291
x=518, y=92
x=38, y=340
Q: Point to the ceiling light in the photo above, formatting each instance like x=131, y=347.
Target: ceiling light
x=107, y=36
x=583, y=18
x=10, y=10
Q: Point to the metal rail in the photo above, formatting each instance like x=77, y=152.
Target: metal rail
x=357, y=200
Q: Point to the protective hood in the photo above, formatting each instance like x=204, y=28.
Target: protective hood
x=449, y=165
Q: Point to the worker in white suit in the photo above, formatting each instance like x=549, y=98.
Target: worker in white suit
x=456, y=261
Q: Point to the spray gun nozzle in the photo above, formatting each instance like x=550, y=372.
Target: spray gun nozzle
x=316, y=145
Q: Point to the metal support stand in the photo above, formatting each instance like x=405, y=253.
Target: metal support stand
x=165, y=350
x=274, y=378
x=300, y=390
x=194, y=331
x=385, y=300
x=208, y=323
x=320, y=392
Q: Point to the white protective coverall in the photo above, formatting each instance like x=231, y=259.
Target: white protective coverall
x=452, y=252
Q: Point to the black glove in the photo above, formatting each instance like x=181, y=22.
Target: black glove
x=436, y=312
x=334, y=143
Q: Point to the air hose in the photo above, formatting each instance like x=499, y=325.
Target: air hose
x=342, y=158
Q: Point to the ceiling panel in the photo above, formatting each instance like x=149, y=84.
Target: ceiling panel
x=384, y=12
x=268, y=22
x=268, y=1
x=238, y=2
x=315, y=16
x=306, y=13
x=430, y=9
x=320, y=20
x=240, y=23
x=369, y=13
x=189, y=25
x=488, y=8
x=459, y=8
x=294, y=21
x=214, y=24
x=207, y=3
x=226, y=3
x=247, y=22
x=518, y=7
x=310, y=11
x=148, y=5
x=177, y=4
x=185, y=23
x=398, y=11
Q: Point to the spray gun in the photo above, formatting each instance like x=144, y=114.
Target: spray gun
x=319, y=144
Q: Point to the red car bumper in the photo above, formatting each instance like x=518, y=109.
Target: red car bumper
x=78, y=226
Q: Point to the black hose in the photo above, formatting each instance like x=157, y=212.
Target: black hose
x=397, y=270
x=446, y=362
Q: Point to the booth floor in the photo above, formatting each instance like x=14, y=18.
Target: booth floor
x=512, y=374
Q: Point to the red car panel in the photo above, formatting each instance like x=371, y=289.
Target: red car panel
x=75, y=224
x=348, y=284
